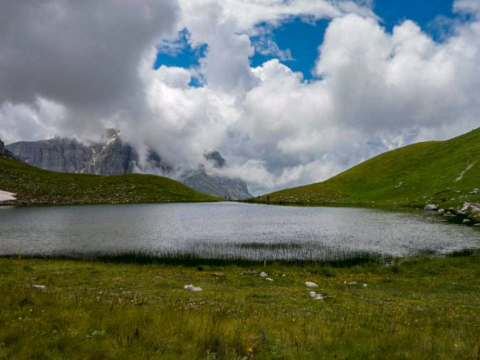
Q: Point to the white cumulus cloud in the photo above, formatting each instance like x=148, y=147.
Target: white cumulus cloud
x=374, y=90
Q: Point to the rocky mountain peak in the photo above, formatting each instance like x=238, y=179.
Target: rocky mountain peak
x=111, y=134
x=113, y=156
x=216, y=159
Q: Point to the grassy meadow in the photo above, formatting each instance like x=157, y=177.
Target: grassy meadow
x=423, y=308
x=36, y=186
x=442, y=172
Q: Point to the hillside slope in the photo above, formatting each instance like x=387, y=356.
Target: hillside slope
x=439, y=172
x=37, y=186
x=113, y=156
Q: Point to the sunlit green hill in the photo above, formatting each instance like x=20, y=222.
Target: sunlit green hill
x=439, y=172
x=37, y=186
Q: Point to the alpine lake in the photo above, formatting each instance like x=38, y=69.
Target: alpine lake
x=230, y=231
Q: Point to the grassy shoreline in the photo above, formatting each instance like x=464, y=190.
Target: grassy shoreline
x=444, y=173
x=192, y=258
x=421, y=308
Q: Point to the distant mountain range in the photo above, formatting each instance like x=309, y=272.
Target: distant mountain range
x=116, y=157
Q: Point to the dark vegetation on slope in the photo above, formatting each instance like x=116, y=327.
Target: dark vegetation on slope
x=113, y=156
x=37, y=186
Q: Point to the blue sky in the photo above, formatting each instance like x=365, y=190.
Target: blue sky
x=302, y=38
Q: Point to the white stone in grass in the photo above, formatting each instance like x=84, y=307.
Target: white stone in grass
x=313, y=294
x=269, y=279
x=39, y=287
x=319, y=297
x=353, y=283
x=193, y=288
x=311, y=284
x=365, y=285
x=264, y=275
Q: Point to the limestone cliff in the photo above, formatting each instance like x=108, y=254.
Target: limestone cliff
x=116, y=157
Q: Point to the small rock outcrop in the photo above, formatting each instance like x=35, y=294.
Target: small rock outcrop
x=316, y=296
x=472, y=211
x=192, y=288
x=431, y=207
x=4, y=151
x=39, y=287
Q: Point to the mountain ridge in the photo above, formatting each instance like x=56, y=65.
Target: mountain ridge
x=116, y=157
x=33, y=186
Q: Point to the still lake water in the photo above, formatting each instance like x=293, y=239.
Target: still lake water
x=228, y=230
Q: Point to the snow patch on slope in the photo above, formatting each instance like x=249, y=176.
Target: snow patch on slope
x=6, y=196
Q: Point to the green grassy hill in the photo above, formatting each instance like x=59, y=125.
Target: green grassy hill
x=37, y=186
x=429, y=172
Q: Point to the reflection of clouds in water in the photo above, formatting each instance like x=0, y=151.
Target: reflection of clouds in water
x=228, y=230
